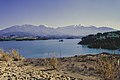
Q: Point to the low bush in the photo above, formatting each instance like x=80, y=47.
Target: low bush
x=54, y=62
x=108, y=67
x=16, y=56
x=4, y=56
x=9, y=56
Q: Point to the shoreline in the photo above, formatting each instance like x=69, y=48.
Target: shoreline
x=78, y=67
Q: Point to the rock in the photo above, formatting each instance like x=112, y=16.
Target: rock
x=68, y=78
x=51, y=79
x=23, y=72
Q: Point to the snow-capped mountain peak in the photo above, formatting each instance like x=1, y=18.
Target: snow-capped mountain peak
x=43, y=30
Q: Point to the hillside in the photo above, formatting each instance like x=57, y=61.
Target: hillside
x=107, y=40
x=42, y=30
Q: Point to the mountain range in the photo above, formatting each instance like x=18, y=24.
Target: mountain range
x=45, y=31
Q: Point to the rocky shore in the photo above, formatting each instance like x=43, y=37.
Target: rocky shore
x=69, y=68
x=20, y=71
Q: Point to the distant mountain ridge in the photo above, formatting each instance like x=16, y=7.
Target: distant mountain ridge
x=42, y=30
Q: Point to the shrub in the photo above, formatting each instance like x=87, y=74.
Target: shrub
x=4, y=56
x=1, y=53
x=9, y=56
x=108, y=68
x=15, y=55
x=53, y=61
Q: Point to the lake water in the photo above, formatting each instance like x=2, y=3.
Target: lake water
x=46, y=48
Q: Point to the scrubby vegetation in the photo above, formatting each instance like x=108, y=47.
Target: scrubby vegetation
x=54, y=62
x=103, y=66
x=107, y=40
x=16, y=56
x=108, y=67
x=10, y=56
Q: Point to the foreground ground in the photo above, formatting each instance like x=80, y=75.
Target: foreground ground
x=69, y=68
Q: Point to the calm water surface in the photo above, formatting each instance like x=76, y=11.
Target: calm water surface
x=45, y=48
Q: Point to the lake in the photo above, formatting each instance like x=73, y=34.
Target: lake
x=47, y=48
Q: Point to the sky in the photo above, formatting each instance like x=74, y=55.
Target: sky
x=57, y=13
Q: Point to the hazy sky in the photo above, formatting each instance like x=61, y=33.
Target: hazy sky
x=56, y=13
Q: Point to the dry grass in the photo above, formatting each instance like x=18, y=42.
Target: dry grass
x=4, y=56
x=1, y=52
x=108, y=68
x=53, y=61
x=15, y=55
x=9, y=56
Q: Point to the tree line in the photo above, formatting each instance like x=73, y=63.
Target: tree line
x=107, y=40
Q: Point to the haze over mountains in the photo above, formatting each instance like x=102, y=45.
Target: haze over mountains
x=42, y=30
